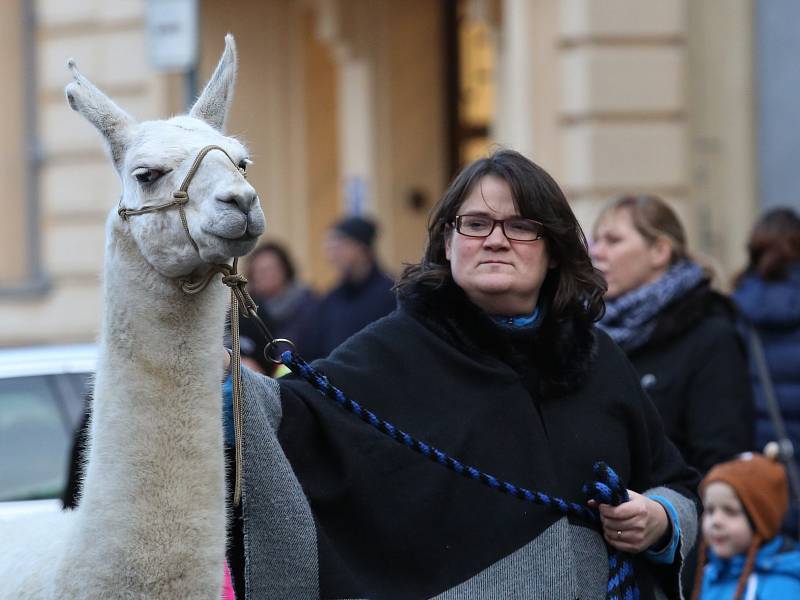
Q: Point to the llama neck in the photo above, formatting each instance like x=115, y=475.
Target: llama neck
x=156, y=416
x=149, y=323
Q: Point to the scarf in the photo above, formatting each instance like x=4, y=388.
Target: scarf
x=631, y=319
x=518, y=322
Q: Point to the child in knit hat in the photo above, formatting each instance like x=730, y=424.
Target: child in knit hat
x=745, y=501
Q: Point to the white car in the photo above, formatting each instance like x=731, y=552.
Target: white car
x=42, y=399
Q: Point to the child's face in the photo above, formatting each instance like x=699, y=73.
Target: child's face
x=725, y=526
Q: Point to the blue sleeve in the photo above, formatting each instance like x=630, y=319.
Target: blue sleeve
x=666, y=555
x=227, y=411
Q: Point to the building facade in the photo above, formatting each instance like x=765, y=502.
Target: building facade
x=370, y=106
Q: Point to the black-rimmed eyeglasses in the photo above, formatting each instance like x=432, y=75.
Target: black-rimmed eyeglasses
x=518, y=229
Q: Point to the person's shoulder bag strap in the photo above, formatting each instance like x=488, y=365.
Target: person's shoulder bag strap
x=785, y=445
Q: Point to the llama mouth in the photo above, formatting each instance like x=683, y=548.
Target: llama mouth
x=238, y=230
x=231, y=237
x=245, y=238
x=223, y=248
x=230, y=232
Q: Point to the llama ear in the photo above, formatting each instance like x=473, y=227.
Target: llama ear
x=109, y=119
x=213, y=104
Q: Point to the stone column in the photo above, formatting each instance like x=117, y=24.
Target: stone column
x=623, y=111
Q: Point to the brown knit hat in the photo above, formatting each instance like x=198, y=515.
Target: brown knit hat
x=760, y=484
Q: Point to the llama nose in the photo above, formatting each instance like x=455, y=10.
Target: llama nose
x=245, y=200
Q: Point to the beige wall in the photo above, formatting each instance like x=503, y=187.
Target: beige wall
x=392, y=53
x=648, y=96
x=411, y=125
x=13, y=224
x=287, y=108
x=722, y=129
x=322, y=146
x=77, y=183
x=623, y=95
x=623, y=107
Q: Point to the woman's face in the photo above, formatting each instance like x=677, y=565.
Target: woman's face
x=625, y=258
x=725, y=526
x=267, y=277
x=500, y=276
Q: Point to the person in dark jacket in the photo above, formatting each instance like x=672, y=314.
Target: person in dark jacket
x=71, y=495
x=363, y=293
x=768, y=296
x=492, y=357
x=286, y=305
x=679, y=334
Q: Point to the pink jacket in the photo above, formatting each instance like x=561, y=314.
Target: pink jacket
x=227, y=586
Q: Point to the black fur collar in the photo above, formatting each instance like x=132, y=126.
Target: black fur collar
x=559, y=352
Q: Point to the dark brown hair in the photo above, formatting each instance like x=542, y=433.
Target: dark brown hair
x=774, y=244
x=652, y=218
x=572, y=287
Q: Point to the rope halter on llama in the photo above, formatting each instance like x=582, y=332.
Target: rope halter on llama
x=181, y=195
x=241, y=301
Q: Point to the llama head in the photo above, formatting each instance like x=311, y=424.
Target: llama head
x=152, y=158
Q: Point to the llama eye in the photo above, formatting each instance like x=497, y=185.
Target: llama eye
x=145, y=175
x=243, y=164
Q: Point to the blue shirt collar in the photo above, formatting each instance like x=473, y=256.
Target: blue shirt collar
x=518, y=321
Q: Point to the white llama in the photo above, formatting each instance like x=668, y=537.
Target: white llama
x=151, y=522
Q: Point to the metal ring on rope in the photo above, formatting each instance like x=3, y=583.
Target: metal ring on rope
x=274, y=342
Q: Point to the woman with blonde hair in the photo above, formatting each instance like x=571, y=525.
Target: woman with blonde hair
x=679, y=334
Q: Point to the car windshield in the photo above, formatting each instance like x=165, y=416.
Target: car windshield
x=36, y=428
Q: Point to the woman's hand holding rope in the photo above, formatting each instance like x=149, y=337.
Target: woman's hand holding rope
x=633, y=526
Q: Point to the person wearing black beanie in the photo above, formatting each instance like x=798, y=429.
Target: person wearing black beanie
x=363, y=293
x=357, y=229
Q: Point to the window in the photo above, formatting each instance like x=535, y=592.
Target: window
x=36, y=429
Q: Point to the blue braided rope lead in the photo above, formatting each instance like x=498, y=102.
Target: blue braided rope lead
x=605, y=489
